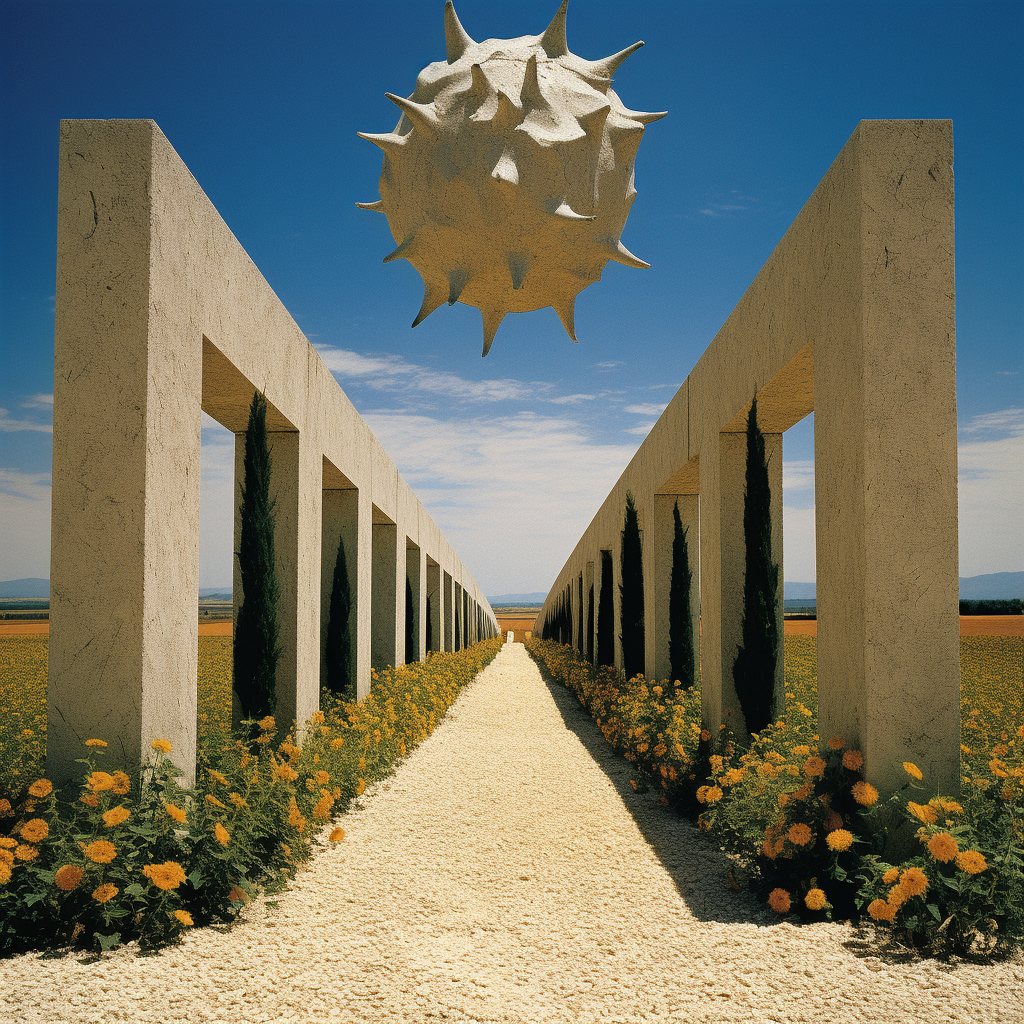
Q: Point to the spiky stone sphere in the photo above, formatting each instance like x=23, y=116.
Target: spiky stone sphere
x=509, y=176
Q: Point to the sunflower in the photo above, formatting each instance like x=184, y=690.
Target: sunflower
x=95, y=743
x=835, y=743
x=163, y=746
x=881, y=911
x=165, y=876
x=184, y=917
x=41, y=788
x=34, y=830
x=176, y=813
x=222, y=834
x=99, y=851
x=943, y=847
x=814, y=767
x=122, y=784
x=67, y=877
x=890, y=877
x=105, y=892
x=815, y=899
x=911, y=769
x=839, y=840
x=337, y=834
x=853, y=759
x=971, y=862
x=864, y=793
x=778, y=900
x=98, y=782
x=116, y=816
x=923, y=812
x=799, y=834
x=914, y=881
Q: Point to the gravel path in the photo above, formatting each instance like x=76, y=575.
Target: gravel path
x=507, y=872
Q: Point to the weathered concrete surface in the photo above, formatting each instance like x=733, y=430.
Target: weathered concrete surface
x=161, y=314
x=851, y=317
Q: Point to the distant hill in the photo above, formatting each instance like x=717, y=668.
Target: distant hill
x=518, y=600
x=25, y=588
x=799, y=591
x=992, y=586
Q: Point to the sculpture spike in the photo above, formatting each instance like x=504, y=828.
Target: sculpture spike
x=492, y=321
x=618, y=252
x=607, y=67
x=456, y=282
x=508, y=114
x=402, y=252
x=531, y=96
x=389, y=142
x=565, y=212
x=422, y=115
x=456, y=39
x=593, y=123
x=565, y=307
x=505, y=170
x=518, y=265
x=554, y=40
x=377, y=205
x=481, y=83
x=644, y=117
x=433, y=296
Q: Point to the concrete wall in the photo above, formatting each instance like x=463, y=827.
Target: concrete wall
x=851, y=317
x=161, y=314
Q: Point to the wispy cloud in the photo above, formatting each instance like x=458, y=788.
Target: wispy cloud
x=571, y=399
x=10, y=425
x=25, y=513
x=38, y=402
x=1007, y=373
x=798, y=475
x=612, y=364
x=1007, y=420
x=647, y=408
x=642, y=429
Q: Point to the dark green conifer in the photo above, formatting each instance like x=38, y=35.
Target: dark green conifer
x=631, y=593
x=410, y=639
x=753, y=670
x=257, y=646
x=606, y=614
x=590, y=625
x=680, y=621
x=340, y=679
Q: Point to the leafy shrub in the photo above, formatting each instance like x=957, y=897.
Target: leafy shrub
x=118, y=861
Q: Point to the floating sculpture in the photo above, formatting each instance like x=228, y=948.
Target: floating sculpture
x=509, y=176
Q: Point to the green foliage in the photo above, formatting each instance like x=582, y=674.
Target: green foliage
x=410, y=638
x=257, y=643
x=631, y=593
x=590, y=625
x=680, y=621
x=116, y=862
x=340, y=677
x=754, y=668
x=606, y=614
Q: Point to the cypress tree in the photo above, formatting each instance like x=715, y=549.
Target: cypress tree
x=680, y=628
x=338, y=652
x=606, y=614
x=579, y=644
x=430, y=626
x=257, y=645
x=631, y=593
x=590, y=625
x=568, y=615
x=410, y=640
x=753, y=670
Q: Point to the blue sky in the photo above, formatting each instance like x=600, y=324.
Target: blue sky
x=513, y=454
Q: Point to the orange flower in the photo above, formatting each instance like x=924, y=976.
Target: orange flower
x=6, y=842
x=5, y=808
x=839, y=840
x=768, y=850
x=943, y=847
x=90, y=799
x=337, y=743
x=35, y=830
x=176, y=813
x=5, y=872
x=184, y=917
x=705, y=735
x=163, y=746
x=122, y=784
x=222, y=834
x=266, y=724
x=835, y=743
x=897, y=897
x=799, y=834
x=67, y=877
x=105, y=892
x=914, y=881
x=881, y=911
x=322, y=778
x=165, y=876
x=923, y=812
x=853, y=759
x=238, y=895
x=911, y=769
x=815, y=899
x=238, y=800
x=95, y=743
x=217, y=777
x=41, y=788
x=337, y=835
x=99, y=851
x=864, y=793
x=100, y=781
x=211, y=799
x=889, y=878
x=778, y=900
x=814, y=767
x=971, y=862
x=360, y=788
x=116, y=816
x=26, y=853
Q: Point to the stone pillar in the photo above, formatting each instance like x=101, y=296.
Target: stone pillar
x=385, y=618
x=436, y=605
x=724, y=558
x=124, y=567
x=885, y=462
x=449, y=613
x=340, y=522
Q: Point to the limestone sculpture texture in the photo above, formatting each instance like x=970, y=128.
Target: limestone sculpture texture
x=509, y=176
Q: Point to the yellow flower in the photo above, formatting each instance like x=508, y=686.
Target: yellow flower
x=6, y=842
x=266, y=724
x=176, y=813
x=839, y=840
x=897, y=897
x=799, y=834
x=778, y=900
x=67, y=877
x=864, y=793
x=853, y=759
x=911, y=769
x=163, y=746
x=337, y=835
x=238, y=800
x=41, y=788
x=23, y=852
x=889, y=878
x=767, y=849
x=211, y=799
x=705, y=735
x=184, y=917
x=168, y=875
x=801, y=751
x=285, y=772
x=317, y=718
x=99, y=851
x=122, y=784
x=5, y=808
x=90, y=799
x=221, y=833
x=943, y=847
x=95, y=743
x=337, y=743
x=116, y=816
x=835, y=743
x=923, y=812
x=360, y=788
x=914, y=881
x=971, y=862
x=35, y=830
x=98, y=782
x=104, y=893
x=814, y=767
x=217, y=777
x=881, y=911
x=815, y=899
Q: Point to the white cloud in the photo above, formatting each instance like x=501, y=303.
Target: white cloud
x=647, y=408
x=798, y=475
x=216, y=504
x=25, y=513
x=39, y=402
x=798, y=545
x=13, y=426
x=571, y=399
x=642, y=429
x=611, y=364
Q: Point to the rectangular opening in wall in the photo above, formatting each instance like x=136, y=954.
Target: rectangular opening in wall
x=434, y=613
x=449, y=612
x=384, y=588
x=339, y=572
x=413, y=613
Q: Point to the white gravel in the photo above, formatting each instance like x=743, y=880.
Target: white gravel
x=507, y=872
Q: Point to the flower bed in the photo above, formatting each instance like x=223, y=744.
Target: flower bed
x=122, y=859
x=811, y=834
